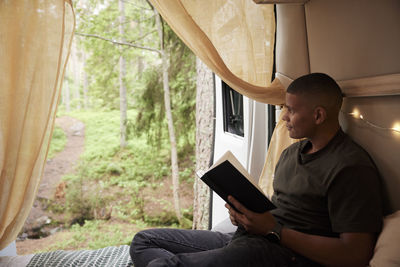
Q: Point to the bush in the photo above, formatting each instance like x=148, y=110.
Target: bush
x=84, y=201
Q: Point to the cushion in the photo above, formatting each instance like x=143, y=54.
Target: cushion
x=104, y=257
x=387, y=249
x=225, y=227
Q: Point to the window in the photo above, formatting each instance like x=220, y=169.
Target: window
x=233, y=110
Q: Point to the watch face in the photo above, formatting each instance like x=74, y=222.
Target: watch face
x=273, y=237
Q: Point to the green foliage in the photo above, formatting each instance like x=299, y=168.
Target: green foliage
x=143, y=71
x=168, y=218
x=186, y=174
x=94, y=234
x=102, y=19
x=116, y=177
x=95, y=239
x=150, y=119
x=58, y=141
x=105, y=168
x=114, y=169
x=84, y=200
x=165, y=218
x=150, y=98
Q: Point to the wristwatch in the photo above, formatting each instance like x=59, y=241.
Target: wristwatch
x=275, y=234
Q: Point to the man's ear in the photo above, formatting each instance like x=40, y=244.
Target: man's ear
x=320, y=115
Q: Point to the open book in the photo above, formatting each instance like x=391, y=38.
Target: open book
x=228, y=177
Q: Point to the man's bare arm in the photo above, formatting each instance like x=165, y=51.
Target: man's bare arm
x=350, y=249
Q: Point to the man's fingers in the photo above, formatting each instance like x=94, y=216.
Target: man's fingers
x=237, y=205
x=233, y=220
x=235, y=216
x=232, y=214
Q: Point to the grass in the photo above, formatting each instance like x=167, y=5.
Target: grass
x=94, y=234
x=110, y=179
x=104, y=159
x=58, y=142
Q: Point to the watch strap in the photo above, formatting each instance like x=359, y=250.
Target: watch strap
x=275, y=234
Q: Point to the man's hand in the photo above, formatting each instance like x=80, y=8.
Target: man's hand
x=232, y=213
x=254, y=223
x=351, y=249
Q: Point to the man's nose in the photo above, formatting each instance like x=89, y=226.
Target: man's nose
x=285, y=116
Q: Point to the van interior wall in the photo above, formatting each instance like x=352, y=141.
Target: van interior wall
x=353, y=39
x=382, y=144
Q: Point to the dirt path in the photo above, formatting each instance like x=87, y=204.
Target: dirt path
x=63, y=163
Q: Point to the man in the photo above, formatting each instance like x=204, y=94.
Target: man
x=327, y=193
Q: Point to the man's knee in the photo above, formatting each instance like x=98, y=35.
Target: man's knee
x=139, y=242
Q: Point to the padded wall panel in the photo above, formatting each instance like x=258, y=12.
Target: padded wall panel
x=291, y=41
x=353, y=39
x=383, y=145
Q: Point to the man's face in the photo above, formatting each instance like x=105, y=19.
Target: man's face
x=299, y=117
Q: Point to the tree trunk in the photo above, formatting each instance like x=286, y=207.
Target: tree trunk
x=122, y=71
x=204, y=142
x=168, y=113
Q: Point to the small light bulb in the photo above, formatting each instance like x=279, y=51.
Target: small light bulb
x=396, y=127
x=355, y=113
x=361, y=116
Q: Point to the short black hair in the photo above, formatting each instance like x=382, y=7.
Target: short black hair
x=319, y=88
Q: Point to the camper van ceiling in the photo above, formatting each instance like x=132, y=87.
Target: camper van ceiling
x=280, y=1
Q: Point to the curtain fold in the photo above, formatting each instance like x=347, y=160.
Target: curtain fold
x=234, y=38
x=35, y=41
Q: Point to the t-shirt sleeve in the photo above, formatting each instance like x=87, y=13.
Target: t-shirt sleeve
x=355, y=200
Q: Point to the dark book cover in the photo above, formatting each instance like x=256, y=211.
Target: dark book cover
x=227, y=180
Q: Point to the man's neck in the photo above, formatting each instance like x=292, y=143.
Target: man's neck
x=320, y=140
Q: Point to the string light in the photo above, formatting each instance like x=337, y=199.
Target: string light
x=396, y=127
x=356, y=114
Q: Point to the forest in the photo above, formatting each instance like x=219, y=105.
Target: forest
x=132, y=82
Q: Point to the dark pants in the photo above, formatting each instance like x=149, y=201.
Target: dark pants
x=192, y=248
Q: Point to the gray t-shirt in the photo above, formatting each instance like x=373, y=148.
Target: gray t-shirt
x=334, y=190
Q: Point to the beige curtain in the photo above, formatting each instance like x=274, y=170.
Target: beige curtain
x=235, y=38
x=279, y=141
x=35, y=39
